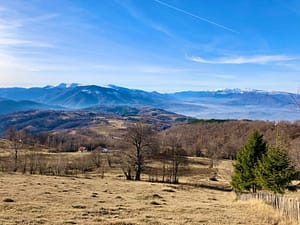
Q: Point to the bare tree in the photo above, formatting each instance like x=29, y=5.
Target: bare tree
x=214, y=152
x=142, y=137
x=101, y=160
x=173, y=156
x=15, y=137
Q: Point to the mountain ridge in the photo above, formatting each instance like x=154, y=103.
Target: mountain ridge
x=219, y=104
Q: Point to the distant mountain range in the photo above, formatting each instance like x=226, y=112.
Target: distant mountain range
x=220, y=104
x=79, y=97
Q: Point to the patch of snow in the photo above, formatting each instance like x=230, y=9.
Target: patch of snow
x=86, y=91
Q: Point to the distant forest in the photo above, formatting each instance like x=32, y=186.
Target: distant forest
x=221, y=139
x=216, y=139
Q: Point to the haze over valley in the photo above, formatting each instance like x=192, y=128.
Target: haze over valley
x=220, y=104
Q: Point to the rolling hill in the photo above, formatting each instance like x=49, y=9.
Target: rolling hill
x=57, y=120
x=8, y=106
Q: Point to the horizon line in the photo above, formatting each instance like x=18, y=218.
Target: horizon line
x=69, y=85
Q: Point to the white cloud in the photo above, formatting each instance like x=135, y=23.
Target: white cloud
x=290, y=65
x=41, y=18
x=256, y=59
x=138, y=15
x=19, y=42
x=13, y=25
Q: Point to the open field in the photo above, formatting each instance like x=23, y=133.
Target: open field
x=85, y=198
x=113, y=200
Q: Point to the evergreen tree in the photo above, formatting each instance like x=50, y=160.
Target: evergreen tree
x=274, y=171
x=248, y=156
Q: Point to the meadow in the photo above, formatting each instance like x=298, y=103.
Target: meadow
x=93, y=199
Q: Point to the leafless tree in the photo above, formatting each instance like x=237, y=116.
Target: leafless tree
x=142, y=137
x=15, y=137
x=214, y=152
x=173, y=156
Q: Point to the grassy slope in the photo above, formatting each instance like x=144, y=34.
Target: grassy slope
x=113, y=200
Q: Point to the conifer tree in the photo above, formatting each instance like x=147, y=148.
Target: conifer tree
x=274, y=171
x=248, y=156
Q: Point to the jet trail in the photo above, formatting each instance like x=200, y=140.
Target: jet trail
x=195, y=16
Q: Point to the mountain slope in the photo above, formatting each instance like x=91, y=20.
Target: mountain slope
x=76, y=96
x=220, y=104
x=8, y=106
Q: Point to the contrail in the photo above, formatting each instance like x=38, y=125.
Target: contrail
x=195, y=16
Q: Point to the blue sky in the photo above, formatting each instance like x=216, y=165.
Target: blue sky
x=167, y=46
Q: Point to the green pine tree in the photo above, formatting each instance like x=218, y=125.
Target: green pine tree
x=248, y=156
x=274, y=171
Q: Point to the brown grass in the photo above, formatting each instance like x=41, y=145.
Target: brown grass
x=266, y=213
x=88, y=199
x=113, y=200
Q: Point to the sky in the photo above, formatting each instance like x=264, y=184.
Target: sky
x=154, y=45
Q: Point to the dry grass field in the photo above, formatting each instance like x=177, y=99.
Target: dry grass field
x=89, y=199
x=113, y=200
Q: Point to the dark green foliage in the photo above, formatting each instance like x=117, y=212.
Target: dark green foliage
x=181, y=119
x=274, y=171
x=203, y=121
x=248, y=156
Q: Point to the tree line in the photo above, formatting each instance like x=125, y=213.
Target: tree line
x=164, y=155
x=222, y=139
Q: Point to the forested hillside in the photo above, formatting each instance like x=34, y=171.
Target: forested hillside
x=222, y=138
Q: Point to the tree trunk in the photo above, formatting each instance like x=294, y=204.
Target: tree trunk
x=138, y=166
x=128, y=174
x=16, y=160
x=138, y=172
x=164, y=171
